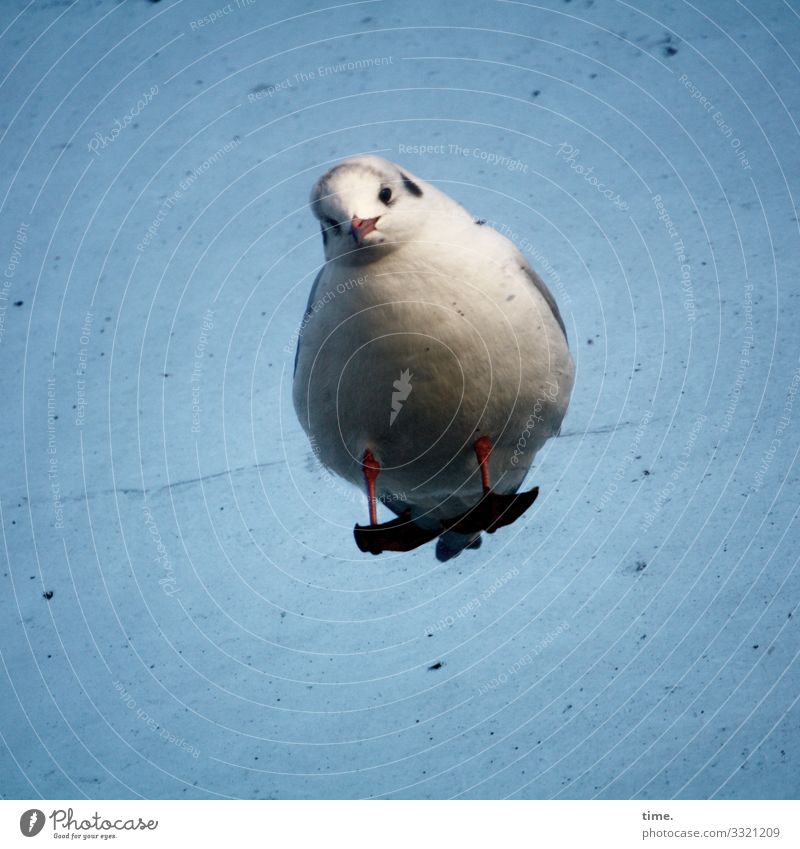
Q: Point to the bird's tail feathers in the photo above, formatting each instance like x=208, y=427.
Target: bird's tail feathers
x=450, y=544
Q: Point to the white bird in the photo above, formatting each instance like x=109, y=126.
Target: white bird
x=432, y=361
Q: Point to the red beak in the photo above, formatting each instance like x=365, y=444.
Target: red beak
x=360, y=227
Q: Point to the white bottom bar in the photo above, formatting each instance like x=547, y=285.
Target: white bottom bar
x=389, y=824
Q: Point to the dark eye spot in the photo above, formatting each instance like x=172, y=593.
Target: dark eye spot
x=411, y=186
x=385, y=194
x=332, y=225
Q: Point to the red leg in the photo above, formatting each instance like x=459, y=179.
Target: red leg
x=371, y=469
x=483, y=450
x=494, y=510
x=399, y=534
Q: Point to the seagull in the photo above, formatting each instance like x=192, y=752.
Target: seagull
x=432, y=362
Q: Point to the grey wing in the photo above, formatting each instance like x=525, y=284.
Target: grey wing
x=311, y=296
x=515, y=262
x=546, y=294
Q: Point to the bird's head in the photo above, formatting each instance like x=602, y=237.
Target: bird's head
x=367, y=206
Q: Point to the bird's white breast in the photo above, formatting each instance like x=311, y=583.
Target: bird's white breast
x=418, y=354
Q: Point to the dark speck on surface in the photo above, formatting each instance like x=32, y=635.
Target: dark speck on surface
x=669, y=47
x=18, y=303
x=536, y=92
x=438, y=665
x=48, y=594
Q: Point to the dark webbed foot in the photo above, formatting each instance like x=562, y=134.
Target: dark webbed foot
x=493, y=511
x=398, y=535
